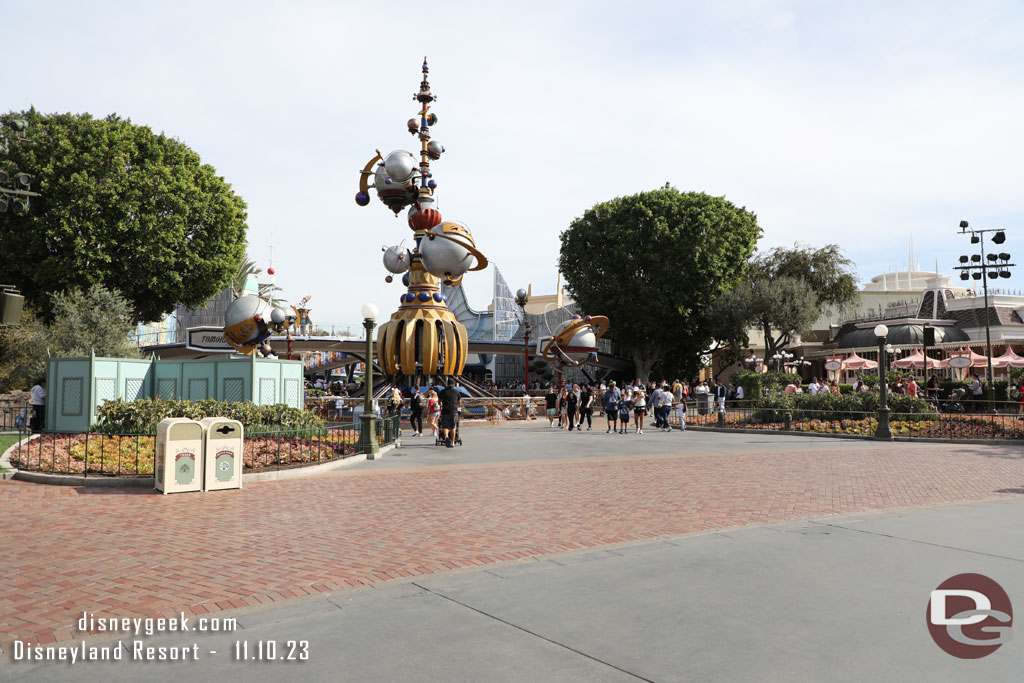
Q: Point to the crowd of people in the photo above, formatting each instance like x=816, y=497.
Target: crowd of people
x=570, y=406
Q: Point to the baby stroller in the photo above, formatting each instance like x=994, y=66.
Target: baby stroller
x=954, y=404
x=458, y=430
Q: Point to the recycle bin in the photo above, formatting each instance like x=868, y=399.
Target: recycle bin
x=223, y=441
x=179, y=455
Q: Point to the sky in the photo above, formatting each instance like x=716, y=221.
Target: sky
x=862, y=124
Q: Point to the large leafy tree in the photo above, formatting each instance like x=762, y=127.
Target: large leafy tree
x=653, y=263
x=120, y=206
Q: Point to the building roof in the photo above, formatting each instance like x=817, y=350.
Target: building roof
x=900, y=333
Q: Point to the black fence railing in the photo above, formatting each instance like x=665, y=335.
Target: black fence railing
x=1005, y=424
x=119, y=455
x=387, y=429
x=10, y=410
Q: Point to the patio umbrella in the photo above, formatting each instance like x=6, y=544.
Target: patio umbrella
x=916, y=360
x=855, y=362
x=1009, y=358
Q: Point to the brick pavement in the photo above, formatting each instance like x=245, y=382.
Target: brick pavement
x=137, y=553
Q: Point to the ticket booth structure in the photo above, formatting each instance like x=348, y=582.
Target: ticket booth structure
x=76, y=387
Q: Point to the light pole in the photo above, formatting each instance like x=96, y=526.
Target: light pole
x=521, y=299
x=367, y=432
x=883, y=431
x=979, y=270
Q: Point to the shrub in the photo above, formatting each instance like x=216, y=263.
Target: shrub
x=142, y=417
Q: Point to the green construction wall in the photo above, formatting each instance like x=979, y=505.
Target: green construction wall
x=78, y=386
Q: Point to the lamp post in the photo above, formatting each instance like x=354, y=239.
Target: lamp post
x=883, y=431
x=997, y=266
x=521, y=299
x=367, y=431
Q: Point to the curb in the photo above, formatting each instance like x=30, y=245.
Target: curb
x=150, y=482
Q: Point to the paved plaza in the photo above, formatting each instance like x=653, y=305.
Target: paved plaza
x=535, y=554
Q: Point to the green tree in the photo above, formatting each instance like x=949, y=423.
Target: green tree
x=653, y=263
x=119, y=206
x=22, y=352
x=786, y=289
x=96, y=319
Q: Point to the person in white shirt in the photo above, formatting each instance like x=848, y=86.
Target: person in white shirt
x=813, y=388
x=739, y=392
x=38, y=402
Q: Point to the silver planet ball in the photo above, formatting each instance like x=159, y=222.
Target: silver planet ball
x=380, y=178
x=584, y=338
x=396, y=259
x=399, y=166
x=442, y=257
x=520, y=293
x=243, y=308
x=434, y=149
x=278, y=316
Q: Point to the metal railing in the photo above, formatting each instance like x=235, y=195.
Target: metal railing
x=337, y=408
x=10, y=408
x=1006, y=424
x=132, y=455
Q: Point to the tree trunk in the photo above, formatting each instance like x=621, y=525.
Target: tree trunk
x=643, y=366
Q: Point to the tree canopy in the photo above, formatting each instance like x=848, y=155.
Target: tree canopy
x=120, y=206
x=653, y=263
x=784, y=292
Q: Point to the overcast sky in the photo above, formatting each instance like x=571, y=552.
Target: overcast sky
x=856, y=123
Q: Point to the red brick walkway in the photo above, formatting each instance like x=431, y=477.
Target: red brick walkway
x=69, y=550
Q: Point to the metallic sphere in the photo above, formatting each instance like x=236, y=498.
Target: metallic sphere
x=434, y=149
x=449, y=250
x=245, y=322
x=520, y=293
x=362, y=198
x=278, y=316
x=399, y=166
x=396, y=259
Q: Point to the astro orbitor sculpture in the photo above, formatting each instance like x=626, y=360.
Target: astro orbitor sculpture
x=422, y=339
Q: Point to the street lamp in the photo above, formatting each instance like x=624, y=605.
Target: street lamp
x=982, y=268
x=521, y=299
x=883, y=431
x=367, y=433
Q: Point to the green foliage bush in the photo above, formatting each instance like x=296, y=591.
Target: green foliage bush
x=142, y=417
x=804, y=406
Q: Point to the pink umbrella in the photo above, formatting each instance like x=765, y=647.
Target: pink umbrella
x=855, y=362
x=1009, y=358
x=916, y=360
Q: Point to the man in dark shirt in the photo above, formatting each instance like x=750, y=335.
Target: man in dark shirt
x=450, y=401
x=551, y=405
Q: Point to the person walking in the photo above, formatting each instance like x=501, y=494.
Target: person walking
x=572, y=404
x=416, y=412
x=639, y=409
x=680, y=408
x=720, y=393
x=612, y=397
x=587, y=406
x=451, y=401
x=433, y=412
x=38, y=402
x=551, y=405
x=625, y=407
x=666, y=407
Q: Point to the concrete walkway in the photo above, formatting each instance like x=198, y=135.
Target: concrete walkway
x=532, y=554
x=839, y=599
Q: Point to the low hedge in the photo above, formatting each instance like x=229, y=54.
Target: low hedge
x=142, y=417
x=803, y=406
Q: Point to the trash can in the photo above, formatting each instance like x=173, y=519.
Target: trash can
x=704, y=402
x=179, y=455
x=223, y=440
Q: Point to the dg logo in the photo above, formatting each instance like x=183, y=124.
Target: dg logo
x=969, y=616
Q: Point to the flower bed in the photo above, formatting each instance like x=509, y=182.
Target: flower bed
x=932, y=426
x=133, y=455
